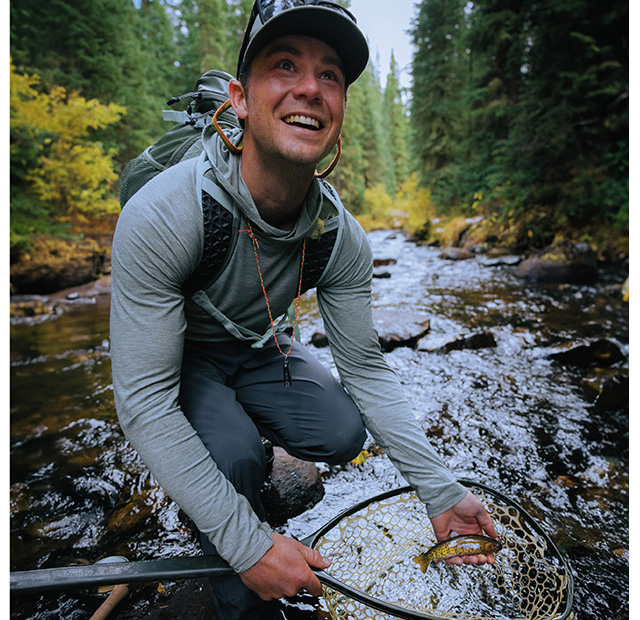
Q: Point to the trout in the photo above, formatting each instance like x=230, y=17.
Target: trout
x=458, y=546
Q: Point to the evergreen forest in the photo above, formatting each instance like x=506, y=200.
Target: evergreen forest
x=517, y=119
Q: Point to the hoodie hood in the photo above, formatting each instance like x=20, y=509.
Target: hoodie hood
x=227, y=169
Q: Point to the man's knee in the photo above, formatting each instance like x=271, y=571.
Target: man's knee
x=345, y=442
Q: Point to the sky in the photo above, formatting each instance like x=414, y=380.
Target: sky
x=385, y=23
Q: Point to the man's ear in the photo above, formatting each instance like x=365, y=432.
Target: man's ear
x=238, y=98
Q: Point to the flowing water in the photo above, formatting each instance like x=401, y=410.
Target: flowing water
x=506, y=416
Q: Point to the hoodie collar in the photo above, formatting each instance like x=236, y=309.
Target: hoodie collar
x=227, y=169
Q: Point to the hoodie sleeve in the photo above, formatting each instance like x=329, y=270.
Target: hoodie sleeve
x=344, y=299
x=157, y=244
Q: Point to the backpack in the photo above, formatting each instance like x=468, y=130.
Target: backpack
x=184, y=141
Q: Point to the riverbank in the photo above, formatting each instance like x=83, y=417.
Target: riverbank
x=58, y=272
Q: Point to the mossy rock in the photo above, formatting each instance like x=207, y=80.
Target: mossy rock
x=52, y=264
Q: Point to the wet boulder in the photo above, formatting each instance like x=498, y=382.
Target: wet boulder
x=571, y=263
x=53, y=264
x=395, y=329
x=389, y=342
x=601, y=353
x=293, y=486
x=506, y=260
x=319, y=340
x=383, y=262
x=456, y=254
x=607, y=388
x=483, y=340
x=399, y=328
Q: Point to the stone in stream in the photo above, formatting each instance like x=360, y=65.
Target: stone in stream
x=456, y=254
x=483, y=340
x=607, y=388
x=567, y=262
x=407, y=329
x=602, y=353
x=292, y=487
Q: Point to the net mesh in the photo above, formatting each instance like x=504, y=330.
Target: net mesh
x=372, y=550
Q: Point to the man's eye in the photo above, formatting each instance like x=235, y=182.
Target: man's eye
x=287, y=65
x=329, y=75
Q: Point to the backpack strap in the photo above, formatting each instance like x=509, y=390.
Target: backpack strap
x=322, y=241
x=219, y=225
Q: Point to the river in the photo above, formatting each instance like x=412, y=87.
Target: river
x=507, y=416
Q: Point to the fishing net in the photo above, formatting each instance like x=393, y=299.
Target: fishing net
x=372, y=549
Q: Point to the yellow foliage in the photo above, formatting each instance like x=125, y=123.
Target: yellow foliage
x=415, y=201
x=377, y=202
x=378, y=209
x=361, y=458
x=410, y=208
x=74, y=174
x=451, y=231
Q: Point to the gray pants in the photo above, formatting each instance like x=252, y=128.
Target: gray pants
x=232, y=395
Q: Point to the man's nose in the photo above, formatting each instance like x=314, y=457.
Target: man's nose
x=308, y=86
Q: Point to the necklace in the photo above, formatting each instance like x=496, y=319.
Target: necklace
x=256, y=245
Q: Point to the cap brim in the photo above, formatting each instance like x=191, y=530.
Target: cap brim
x=327, y=25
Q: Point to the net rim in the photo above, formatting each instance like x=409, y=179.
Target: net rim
x=566, y=615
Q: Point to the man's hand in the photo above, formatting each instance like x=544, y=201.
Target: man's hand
x=284, y=570
x=468, y=516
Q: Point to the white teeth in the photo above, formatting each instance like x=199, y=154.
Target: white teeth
x=302, y=120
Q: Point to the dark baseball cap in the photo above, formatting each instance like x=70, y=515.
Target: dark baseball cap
x=325, y=21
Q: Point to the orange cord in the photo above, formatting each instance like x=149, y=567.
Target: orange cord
x=256, y=245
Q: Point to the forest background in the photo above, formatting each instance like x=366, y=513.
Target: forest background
x=515, y=132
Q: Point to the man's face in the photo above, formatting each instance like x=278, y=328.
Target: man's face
x=295, y=103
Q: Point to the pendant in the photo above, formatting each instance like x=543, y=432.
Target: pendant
x=286, y=373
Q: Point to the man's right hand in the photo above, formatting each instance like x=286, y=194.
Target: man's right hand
x=285, y=570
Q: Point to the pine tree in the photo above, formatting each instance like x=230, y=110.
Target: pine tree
x=439, y=73
x=397, y=124
x=210, y=36
x=570, y=135
x=366, y=158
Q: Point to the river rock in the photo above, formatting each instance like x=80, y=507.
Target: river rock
x=319, y=340
x=383, y=262
x=456, y=254
x=23, y=307
x=572, y=263
x=508, y=260
x=53, y=265
x=133, y=517
x=389, y=342
x=607, y=387
x=398, y=328
x=395, y=329
x=602, y=353
x=292, y=487
x=34, y=306
x=483, y=340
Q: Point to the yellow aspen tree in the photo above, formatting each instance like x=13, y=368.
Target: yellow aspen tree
x=74, y=175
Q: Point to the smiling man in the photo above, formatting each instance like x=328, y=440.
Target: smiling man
x=201, y=375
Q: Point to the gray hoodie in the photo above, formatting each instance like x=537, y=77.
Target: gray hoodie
x=158, y=243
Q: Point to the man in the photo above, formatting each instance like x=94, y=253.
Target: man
x=198, y=379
